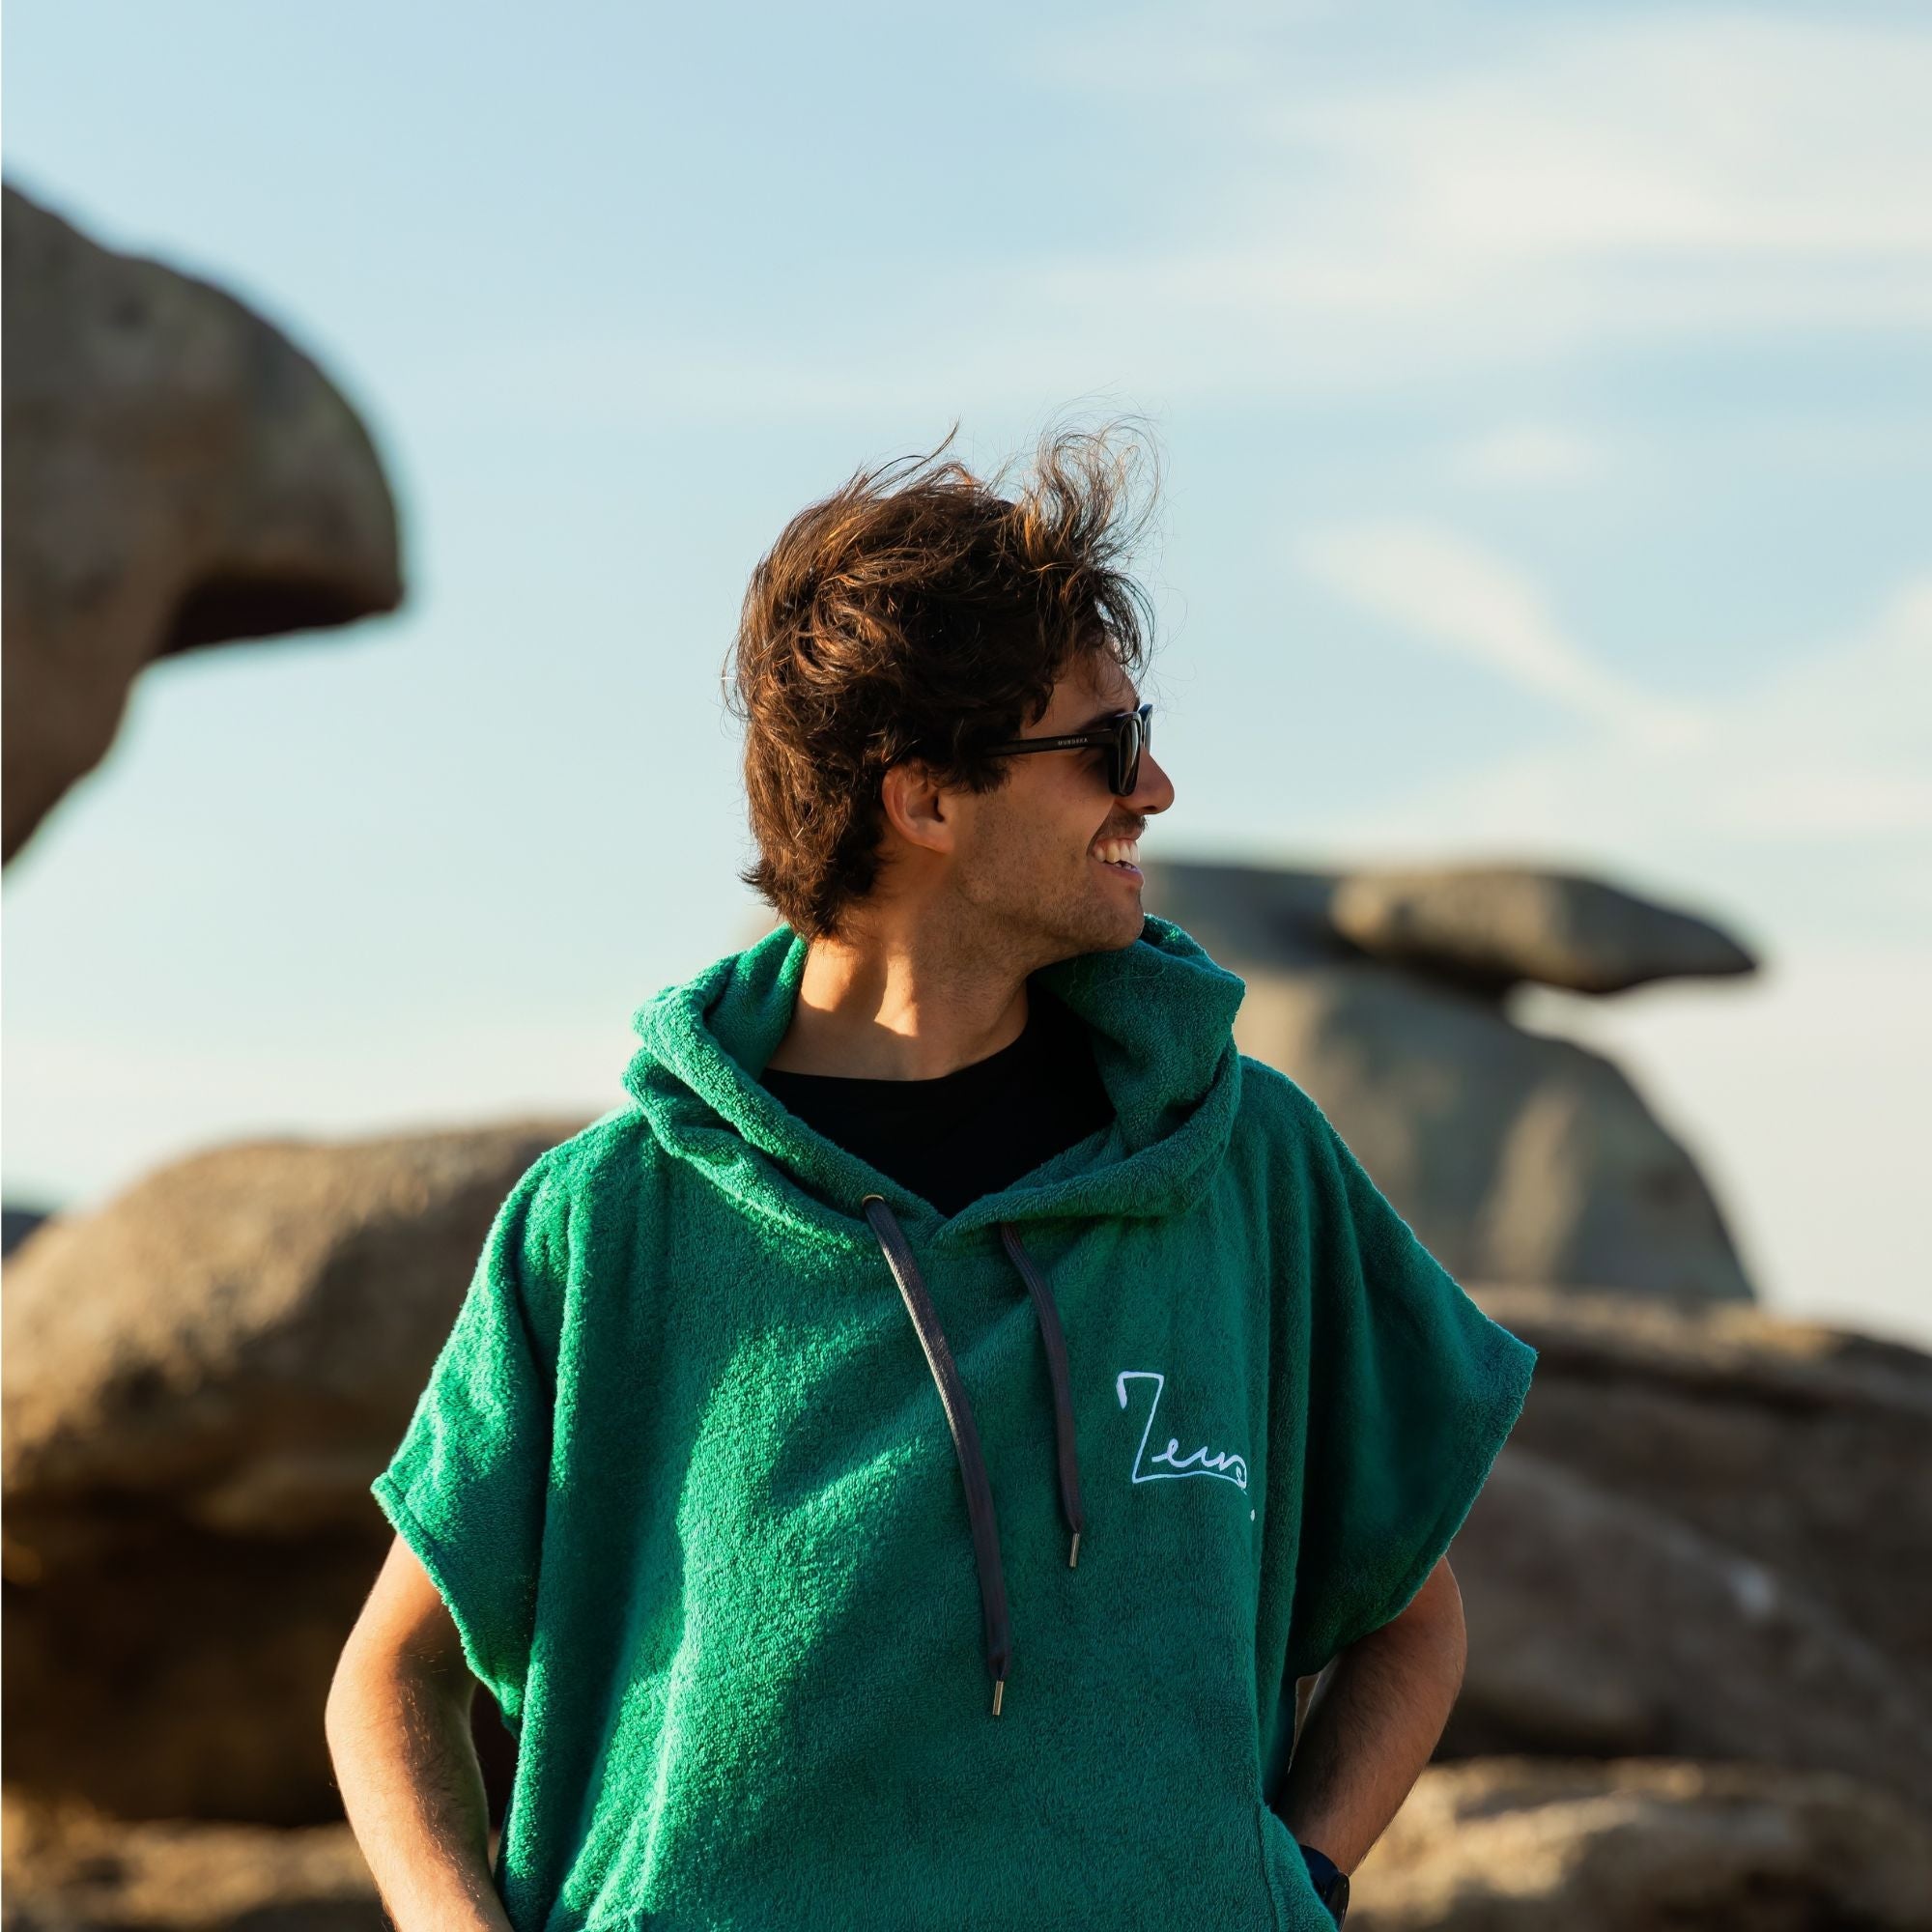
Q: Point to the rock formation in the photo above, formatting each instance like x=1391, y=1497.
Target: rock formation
x=200, y=1380
x=177, y=474
x=1516, y=1157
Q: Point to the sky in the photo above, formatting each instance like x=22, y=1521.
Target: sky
x=1545, y=407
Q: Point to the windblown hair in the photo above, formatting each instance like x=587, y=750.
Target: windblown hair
x=918, y=613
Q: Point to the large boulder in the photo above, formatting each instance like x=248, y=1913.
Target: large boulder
x=1601, y=1626
x=1636, y=1845
x=200, y=1379
x=235, y=1337
x=177, y=474
x=1802, y=1449
x=1516, y=1157
x=1710, y=1535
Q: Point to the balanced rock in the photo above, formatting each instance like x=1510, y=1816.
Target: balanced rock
x=1496, y=925
x=1516, y=1157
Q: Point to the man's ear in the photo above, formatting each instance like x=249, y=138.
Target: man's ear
x=917, y=809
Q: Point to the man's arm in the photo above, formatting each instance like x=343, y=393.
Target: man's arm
x=1376, y=1713
x=398, y=1728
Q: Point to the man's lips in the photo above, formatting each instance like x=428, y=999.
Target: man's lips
x=1119, y=855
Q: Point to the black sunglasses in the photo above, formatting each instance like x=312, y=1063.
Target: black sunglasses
x=1125, y=737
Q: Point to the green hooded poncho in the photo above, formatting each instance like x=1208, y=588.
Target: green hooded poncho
x=686, y=1473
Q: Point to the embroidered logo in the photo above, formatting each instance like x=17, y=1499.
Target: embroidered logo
x=1170, y=1461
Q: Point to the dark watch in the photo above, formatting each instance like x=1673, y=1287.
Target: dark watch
x=1331, y=1881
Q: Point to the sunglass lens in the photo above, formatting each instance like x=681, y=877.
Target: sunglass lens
x=1128, y=748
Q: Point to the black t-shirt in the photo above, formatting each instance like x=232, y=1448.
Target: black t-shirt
x=970, y=1133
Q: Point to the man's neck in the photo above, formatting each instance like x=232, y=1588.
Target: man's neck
x=895, y=1010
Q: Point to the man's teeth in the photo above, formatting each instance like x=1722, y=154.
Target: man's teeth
x=1118, y=851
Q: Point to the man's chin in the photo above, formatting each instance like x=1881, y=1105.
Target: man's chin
x=1081, y=922
x=1111, y=929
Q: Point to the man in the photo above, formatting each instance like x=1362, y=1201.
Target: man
x=896, y=1470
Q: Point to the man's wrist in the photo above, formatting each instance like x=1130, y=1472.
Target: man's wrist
x=1330, y=1880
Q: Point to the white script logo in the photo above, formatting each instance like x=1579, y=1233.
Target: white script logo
x=1231, y=1468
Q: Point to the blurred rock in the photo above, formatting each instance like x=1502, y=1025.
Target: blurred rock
x=177, y=474
x=200, y=1380
x=70, y=1870
x=1802, y=1449
x=1521, y=1845
x=1710, y=1535
x=1603, y=1628
x=239, y=1335
x=1514, y=1156
x=180, y=1674
x=1494, y=926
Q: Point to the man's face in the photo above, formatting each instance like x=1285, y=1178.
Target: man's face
x=1047, y=863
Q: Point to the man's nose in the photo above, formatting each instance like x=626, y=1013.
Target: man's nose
x=1153, y=789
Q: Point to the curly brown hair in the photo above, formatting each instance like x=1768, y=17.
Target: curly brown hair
x=919, y=613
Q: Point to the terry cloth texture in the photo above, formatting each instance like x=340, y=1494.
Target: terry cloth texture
x=685, y=1480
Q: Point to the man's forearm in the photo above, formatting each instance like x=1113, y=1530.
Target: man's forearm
x=413, y=1788
x=1376, y=1714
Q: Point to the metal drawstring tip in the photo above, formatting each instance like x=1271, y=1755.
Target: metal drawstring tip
x=1073, y=1554
x=999, y=1691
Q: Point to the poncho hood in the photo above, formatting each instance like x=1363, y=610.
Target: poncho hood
x=1161, y=1016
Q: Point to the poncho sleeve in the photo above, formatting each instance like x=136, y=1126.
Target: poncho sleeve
x=466, y=1488
x=1411, y=1393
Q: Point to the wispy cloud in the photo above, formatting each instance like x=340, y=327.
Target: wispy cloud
x=1808, y=794
x=1603, y=181
x=1727, y=136
x=1449, y=592
x=1628, y=179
